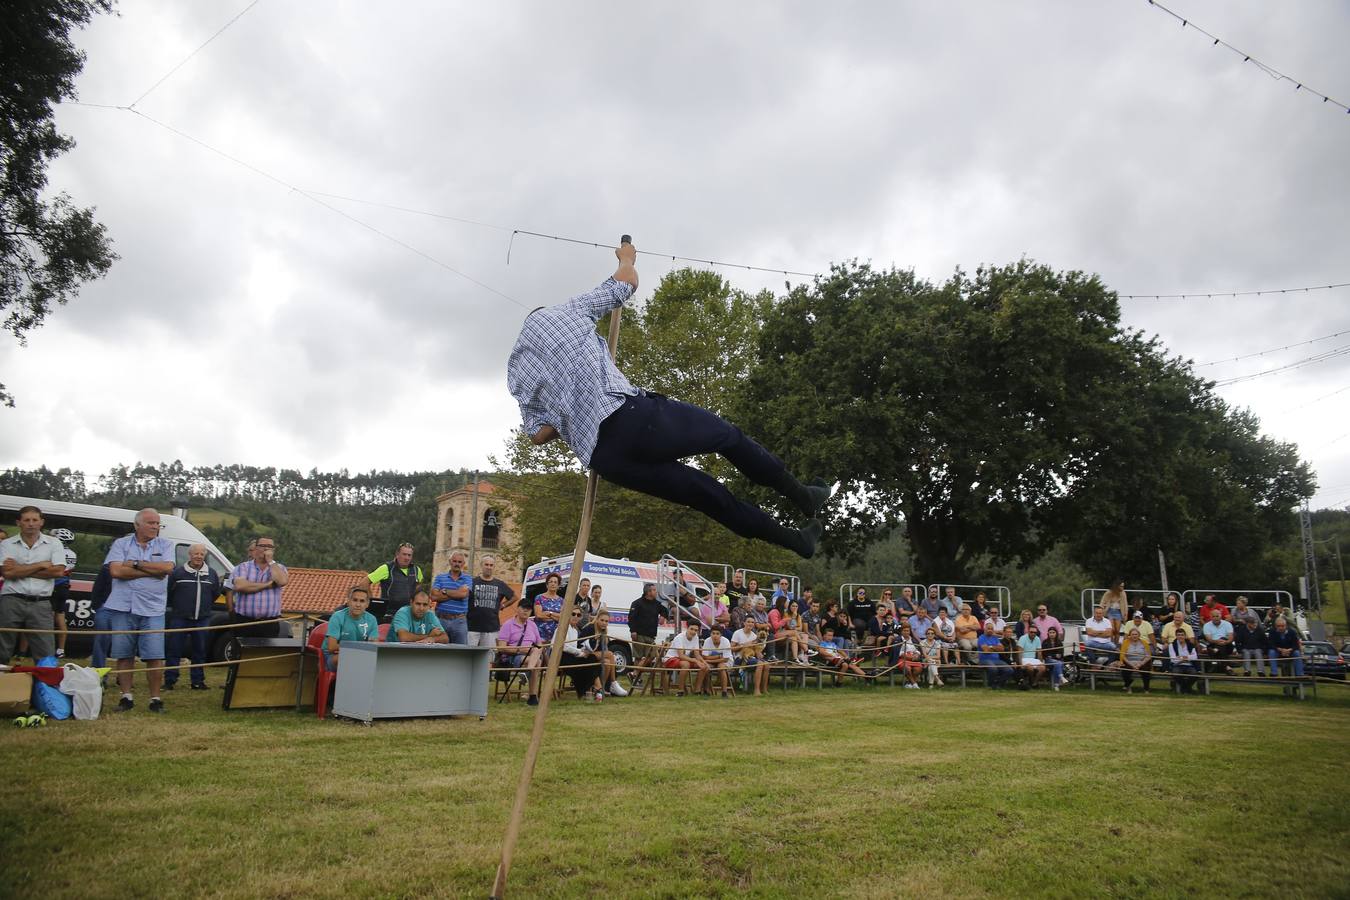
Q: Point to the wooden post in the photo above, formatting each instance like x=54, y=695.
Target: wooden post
x=555, y=658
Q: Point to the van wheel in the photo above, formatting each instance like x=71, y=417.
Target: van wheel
x=622, y=658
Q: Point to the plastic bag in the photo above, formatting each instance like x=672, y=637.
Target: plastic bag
x=85, y=688
x=47, y=699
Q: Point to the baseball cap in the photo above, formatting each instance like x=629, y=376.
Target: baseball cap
x=1138, y=614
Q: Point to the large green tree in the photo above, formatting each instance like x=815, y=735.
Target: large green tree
x=694, y=339
x=998, y=413
x=48, y=246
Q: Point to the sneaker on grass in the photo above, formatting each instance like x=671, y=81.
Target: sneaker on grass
x=616, y=690
x=125, y=704
x=156, y=705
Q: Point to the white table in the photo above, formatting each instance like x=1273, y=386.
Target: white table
x=388, y=681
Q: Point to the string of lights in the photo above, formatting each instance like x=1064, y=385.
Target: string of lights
x=1321, y=398
x=1211, y=295
x=1217, y=362
x=182, y=62
x=1248, y=58
x=1298, y=364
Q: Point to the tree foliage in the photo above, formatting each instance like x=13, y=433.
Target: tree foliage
x=693, y=340
x=996, y=414
x=47, y=247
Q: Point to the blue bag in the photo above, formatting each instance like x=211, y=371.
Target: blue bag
x=48, y=699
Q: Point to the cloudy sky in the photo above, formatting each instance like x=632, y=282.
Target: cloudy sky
x=246, y=322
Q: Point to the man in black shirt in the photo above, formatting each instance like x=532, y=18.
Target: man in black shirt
x=643, y=618
x=487, y=596
x=736, y=590
x=861, y=609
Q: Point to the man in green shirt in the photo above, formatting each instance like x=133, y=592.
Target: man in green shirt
x=397, y=578
x=416, y=623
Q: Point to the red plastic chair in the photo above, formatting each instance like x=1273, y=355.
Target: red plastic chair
x=323, y=683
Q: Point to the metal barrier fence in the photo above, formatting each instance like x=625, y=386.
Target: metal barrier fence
x=1089, y=597
x=846, y=591
x=1194, y=599
x=794, y=583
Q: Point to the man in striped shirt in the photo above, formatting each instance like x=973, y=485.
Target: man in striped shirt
x=561, y=374
x=257, y=585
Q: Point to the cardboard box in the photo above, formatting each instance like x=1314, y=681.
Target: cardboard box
x=16, y=693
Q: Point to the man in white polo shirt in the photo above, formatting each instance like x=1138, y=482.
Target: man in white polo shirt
x=32, y=562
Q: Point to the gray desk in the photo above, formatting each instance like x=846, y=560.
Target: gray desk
x=385, y=681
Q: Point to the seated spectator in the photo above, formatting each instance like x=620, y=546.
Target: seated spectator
x=968, y=634
x=1250, y=638
x=997, y=671
x=1000, y=623
x=785, y=625
x=905, y=607
x=713, y=611
x=887, y=601
x=945, y=626
x=1171, y=604
x=1138, y=625
x=1285, y=650
x=1241, y=611
x=1024, y=624
x=860, y=612
x=595, y=638
x=919, y=623
x=351, y=623
x=1052, y=651
x=581, y=663
x=1276, y=611
x=931, y=602
x=683, y=656
x=547, y=608
x=1219, y=640
x=519, y=646
x=1182, y=659
x=951, y=602
x=782, y=591
x=884, y=633
x=910, y=654
x=744, y=609
x=931, y=650
x=1044, y=622
x=1177, y=623
x=1137, y=605
x=1136, y=658
x=764, y=626
x=833, y=655
x=752, y=591
x=980, y=608
x=1211, y=604
x=810, y=619
x=416, y=622
x=749, y=648
x=1098, y=632
x=717, y=654
x=1029, y=643
x=843, y=630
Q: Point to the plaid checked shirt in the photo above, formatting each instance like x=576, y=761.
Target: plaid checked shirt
x=560, y=371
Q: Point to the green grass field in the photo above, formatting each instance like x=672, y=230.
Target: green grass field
x=850, y=792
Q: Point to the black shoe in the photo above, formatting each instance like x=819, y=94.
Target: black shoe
x=125, y=704
x=806, y=539
x=200, y=687
x=815, y=493
x=533, y=701
x=156, y=705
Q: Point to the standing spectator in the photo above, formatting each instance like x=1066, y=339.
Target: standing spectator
x=487, y=595
x=905, y=607
x=139, y=564
x=61, y=590
x=256, y=585
x=1182, y=659
x=1136, y=658
x=684, y=656
x=1212, y=603
x=1033, y=667
x=1098, y=632
x=644, y=617
x=1116, y=603
x=450, y=591
x=749, y=649
x=1250, y=638
x=98, y=599
x=968, y=634
x=1218, y=634
x=861, y=609
x=717, y=654
x=1286, y=650
x=1052, y=651
x=996, y=670
x=980, y=609
x=193, y=589
x=520, y=647
x=351, y=623
x=1044, y=621
x=1024, y=624
x=416, y=623
x=397, y=579
x=597, y=601
x=32, y=561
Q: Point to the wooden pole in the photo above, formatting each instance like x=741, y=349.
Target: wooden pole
x=554, y=659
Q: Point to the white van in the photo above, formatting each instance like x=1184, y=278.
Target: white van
x=94, y=529
x=622, y=581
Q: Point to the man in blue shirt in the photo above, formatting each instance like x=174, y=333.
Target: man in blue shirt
x=567, y=386
x=416, y=623
x=451, y=593
x=351, y=623
x=140, y=564
x=997, y=670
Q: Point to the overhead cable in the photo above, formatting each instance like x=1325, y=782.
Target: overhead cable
x=1308, y=361
x=1324, y=337
x=182, y=62
x=1210, y=295
x=1248, y=58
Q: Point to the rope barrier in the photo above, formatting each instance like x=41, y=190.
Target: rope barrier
x=100, y=631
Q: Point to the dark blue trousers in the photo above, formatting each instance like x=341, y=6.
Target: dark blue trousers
x=641, y=444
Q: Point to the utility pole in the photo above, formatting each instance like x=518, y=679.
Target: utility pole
x=474, y=529
x=1345, y=598
x=1162, y=570
x=1313, y=590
